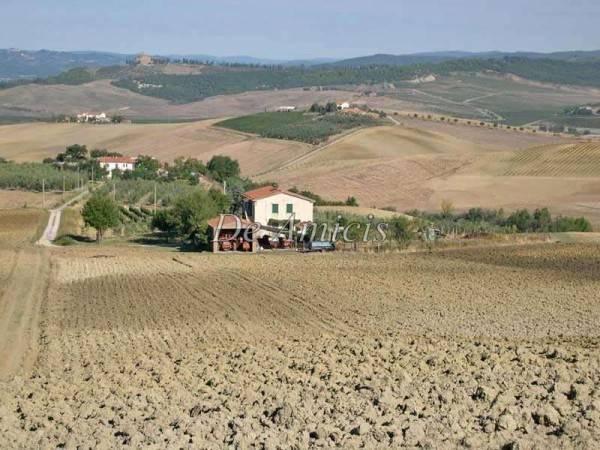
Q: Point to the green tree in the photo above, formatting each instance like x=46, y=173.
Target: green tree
x=351, y=201
x=542, y=220
x=166, y=221
x=186, y=169
x=222, y=167
x=521, y=220
x=331, y=107
x=146, y=167
x=192, y=212
x=100, y=212
x=401, y=229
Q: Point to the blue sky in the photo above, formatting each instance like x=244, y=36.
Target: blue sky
x=299, y=29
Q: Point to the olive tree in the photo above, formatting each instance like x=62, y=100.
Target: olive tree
x=101, y=213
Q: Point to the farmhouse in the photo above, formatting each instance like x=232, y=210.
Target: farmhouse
x=123, y=163
x=343, y=106
x=270, y=205
x=286, y=109
x=93, y=118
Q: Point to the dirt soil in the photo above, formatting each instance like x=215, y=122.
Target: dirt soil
x=478, y=348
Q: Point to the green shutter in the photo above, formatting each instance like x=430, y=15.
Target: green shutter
x=289, y=208
x=275, y=208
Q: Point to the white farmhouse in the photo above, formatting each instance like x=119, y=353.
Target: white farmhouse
x=343, y=106
x=123, y=163
x=270, y=204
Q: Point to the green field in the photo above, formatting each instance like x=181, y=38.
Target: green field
x=298, y=126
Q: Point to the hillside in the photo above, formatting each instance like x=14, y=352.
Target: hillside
x=17, y=64
x=34, y=142
x=408, y=168
x=189, y=88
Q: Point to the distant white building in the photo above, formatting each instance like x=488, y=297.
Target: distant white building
x=286, y=109
x=123, y=163
x=92, y=118
x=343, y=106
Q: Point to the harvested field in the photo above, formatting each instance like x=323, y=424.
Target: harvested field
x=581, y=159
x=25, y=199
x=146, y=348
x=21, y=226
x=36, y=141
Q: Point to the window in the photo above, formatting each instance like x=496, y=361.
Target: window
x=275, y=208
x=289, y=209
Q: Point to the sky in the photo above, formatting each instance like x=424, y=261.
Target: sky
x=299, y=29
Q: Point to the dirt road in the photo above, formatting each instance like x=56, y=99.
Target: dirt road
x=54, y=221
x=20, y=311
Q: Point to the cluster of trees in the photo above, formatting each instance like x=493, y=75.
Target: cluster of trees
x=480, y=220
x=329, y=107
x=357, y=228
x=37, y=176
x=186, y=218
x=77, y=158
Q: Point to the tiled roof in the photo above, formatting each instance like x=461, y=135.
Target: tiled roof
x=117, y=159
x=269, y=191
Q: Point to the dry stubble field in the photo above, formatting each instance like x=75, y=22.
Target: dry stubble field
x=482, y=348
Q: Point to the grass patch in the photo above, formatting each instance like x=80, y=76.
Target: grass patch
x=298, y=126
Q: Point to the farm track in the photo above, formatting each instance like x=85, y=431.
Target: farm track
x=20, y=305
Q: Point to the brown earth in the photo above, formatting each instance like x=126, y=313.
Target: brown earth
x=482, y=348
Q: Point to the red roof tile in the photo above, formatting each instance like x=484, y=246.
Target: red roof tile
x=269, y=191
x=117, y=159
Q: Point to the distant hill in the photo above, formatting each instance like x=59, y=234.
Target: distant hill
x=439, y=57
x=18, y=64
x=23, y=64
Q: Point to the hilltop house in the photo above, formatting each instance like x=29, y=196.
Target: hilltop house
x=123, y=163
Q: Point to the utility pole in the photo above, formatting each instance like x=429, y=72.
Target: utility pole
x=63, y=192
x=155, y=197
x=43, y=193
